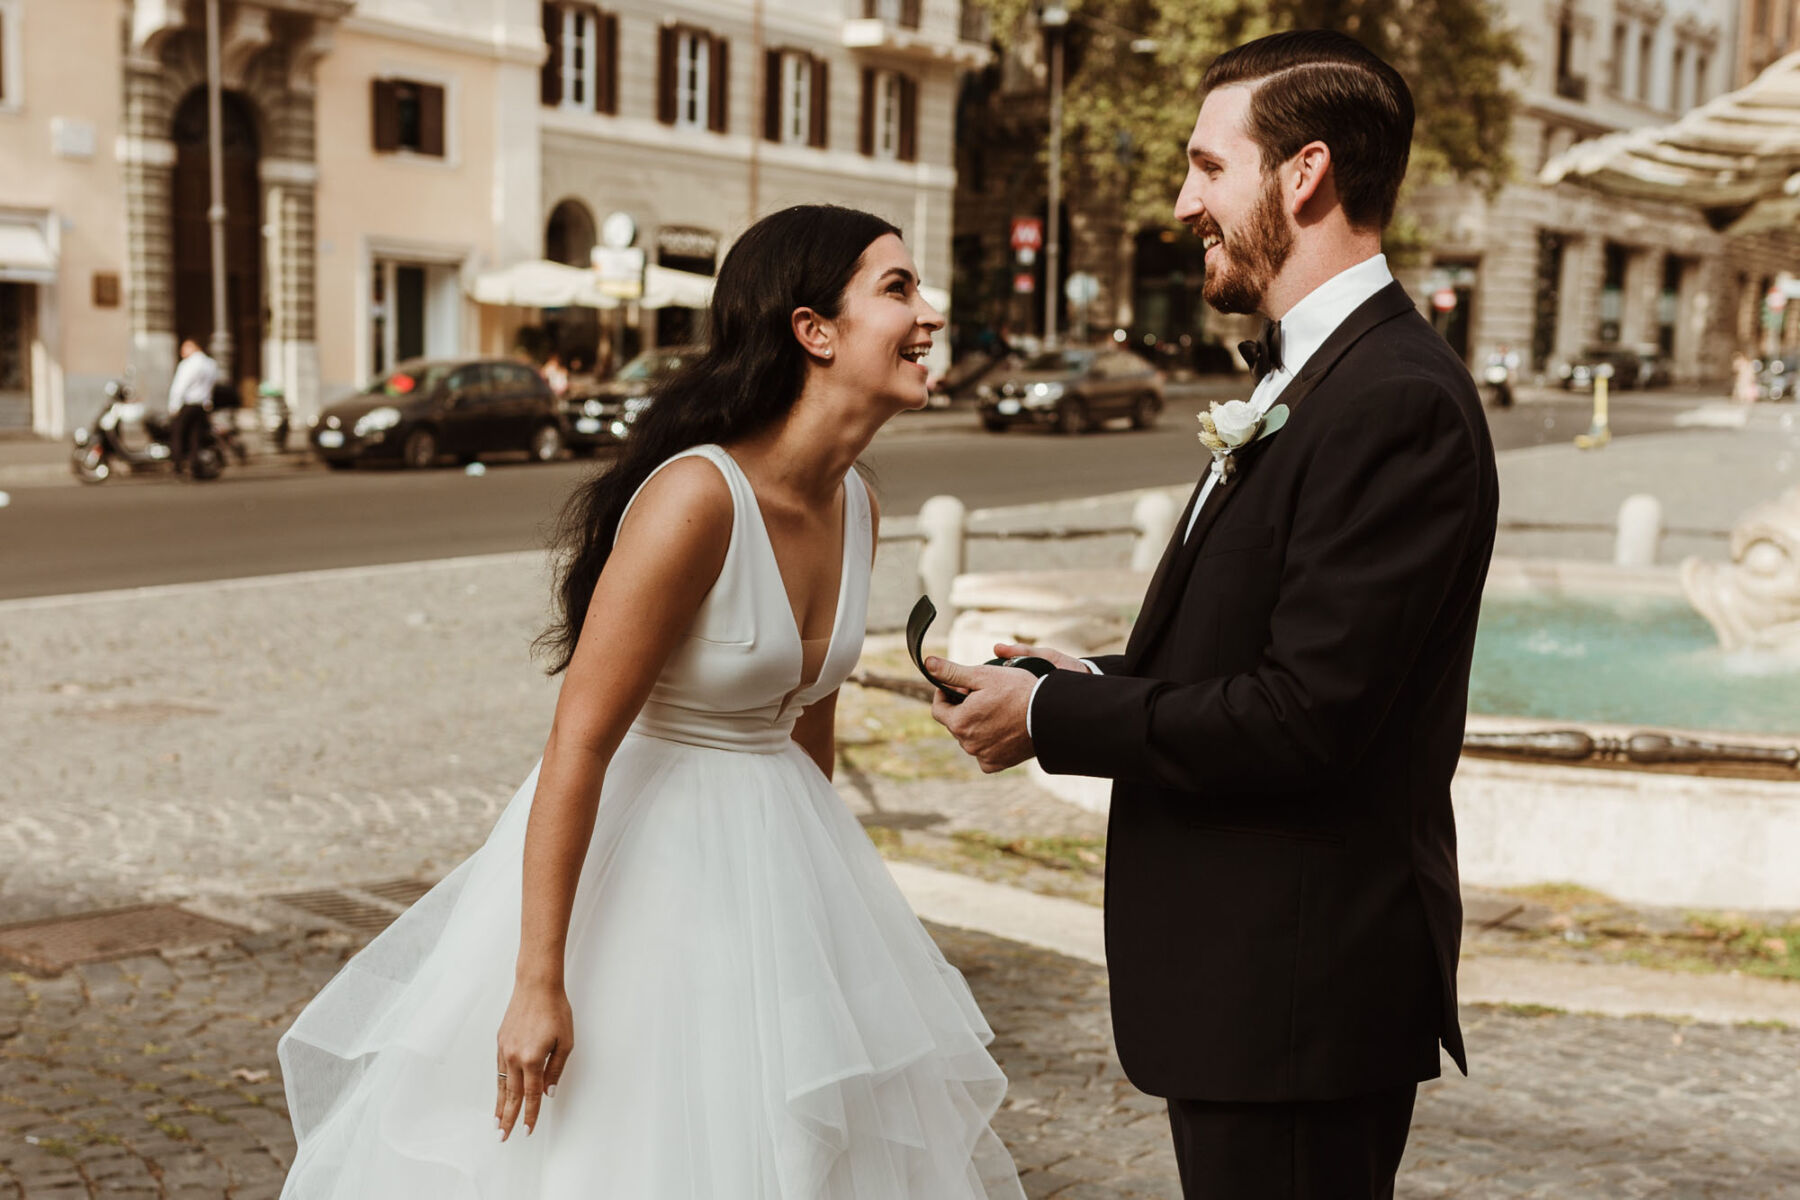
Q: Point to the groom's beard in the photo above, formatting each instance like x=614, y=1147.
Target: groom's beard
x=1252, y=257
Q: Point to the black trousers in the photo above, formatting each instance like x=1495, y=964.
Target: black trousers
x=185, y=432
x=1308, y=1150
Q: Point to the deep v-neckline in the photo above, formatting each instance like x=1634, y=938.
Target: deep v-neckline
x=787, y=605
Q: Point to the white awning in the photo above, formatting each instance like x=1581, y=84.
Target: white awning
x=1737, y=157
x=665, y=287
x=541, y=284
x=25, y=255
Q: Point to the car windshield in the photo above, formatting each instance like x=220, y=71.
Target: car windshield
x=649, y=366
x=1059, y=360
x=408, y=380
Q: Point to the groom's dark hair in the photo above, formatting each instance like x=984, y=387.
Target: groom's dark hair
x=1317, y=85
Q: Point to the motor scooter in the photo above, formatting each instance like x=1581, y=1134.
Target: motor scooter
x=101, y=445
x=1498, y=376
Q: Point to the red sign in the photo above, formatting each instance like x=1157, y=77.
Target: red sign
x=1444, y=299
x=1027, y=233
x=1024, y=283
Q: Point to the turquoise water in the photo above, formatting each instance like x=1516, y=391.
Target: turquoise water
x=1632, y=660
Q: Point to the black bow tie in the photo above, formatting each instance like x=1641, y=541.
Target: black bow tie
x=1263, y=352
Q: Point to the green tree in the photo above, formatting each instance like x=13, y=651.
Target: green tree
x=1128, y=109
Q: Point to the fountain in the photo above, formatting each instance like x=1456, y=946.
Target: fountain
x=1754, y=602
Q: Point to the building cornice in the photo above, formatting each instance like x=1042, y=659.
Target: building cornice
x=604, y=131
x=528, y=53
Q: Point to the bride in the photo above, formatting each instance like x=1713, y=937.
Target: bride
x=716, y=989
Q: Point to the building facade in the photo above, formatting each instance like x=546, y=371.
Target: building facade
x=669, y=127
x=1548, y=271
x=378, y=155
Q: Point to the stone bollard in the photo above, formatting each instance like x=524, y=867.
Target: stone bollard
x=1639, y=533
x=1154, y=515
x=941, y=555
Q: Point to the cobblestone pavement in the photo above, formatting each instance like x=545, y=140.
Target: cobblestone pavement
x=157, y=1078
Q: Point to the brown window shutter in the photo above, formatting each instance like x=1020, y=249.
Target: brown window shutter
x=606, y=98
x=865, y=134
x=551, y=88
x=386, y=115
x=772, y=95
x=869, y=10
x=909, y=14
x=909, y=119
x=821, y=103
x=431, y=119
x=665, y=77
x=719, y=91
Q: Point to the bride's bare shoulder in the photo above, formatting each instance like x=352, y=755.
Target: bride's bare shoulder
x=685, y=505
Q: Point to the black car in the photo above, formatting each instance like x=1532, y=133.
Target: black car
x=601, y=414
x=423, y=410
x=1072, y=390
x=1640, y=367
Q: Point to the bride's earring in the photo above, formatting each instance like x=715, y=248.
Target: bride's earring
x=826, y=352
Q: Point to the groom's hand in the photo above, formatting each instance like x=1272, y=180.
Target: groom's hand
x=990, y=724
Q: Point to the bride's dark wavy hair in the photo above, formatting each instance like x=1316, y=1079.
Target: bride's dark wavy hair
x=747, y=379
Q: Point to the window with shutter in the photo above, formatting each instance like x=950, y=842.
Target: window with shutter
x=408, y=116
x=667, y=64
x=907, y=147
x=695, y=106
x=788, y=107
x=888, y=117
x=719, y=87
x=607, y=95
x=550, y=82
x=865, y=130
x=772, y=95
x=909, y=14
x=821, y=103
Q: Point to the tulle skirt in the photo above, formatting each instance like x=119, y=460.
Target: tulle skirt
x=758, y=1014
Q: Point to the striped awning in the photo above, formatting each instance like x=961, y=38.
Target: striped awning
x=1736, y=157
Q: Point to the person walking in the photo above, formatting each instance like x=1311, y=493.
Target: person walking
x=190, y=402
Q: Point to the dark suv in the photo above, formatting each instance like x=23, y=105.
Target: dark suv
x=423, y=410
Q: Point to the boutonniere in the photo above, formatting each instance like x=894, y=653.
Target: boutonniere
x=1229, y=427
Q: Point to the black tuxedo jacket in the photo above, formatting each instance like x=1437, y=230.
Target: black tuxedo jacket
x=1282, y=911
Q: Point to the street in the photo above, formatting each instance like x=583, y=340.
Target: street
x=56, y=537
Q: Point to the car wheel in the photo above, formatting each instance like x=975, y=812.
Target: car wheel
x=1071, y=417
x=421, y=449
x=993, y=424
x=1145, y=410
x=546, y=443
x=339, y=464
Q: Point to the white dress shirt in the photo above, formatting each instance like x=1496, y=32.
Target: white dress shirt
x=1304, y=329
x=195, y=377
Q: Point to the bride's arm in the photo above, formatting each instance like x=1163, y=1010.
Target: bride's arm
x=668, y=554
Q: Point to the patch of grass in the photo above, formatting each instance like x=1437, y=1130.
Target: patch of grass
x=1560, y=897
x=1528, y=1010
x=169, y=1129
x=1083, y=855
x=1777, y=1026
x=57, y=1146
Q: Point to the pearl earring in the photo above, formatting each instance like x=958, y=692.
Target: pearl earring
x=827, y=353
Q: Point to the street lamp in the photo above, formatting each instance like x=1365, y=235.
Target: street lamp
x=1054, y=18
x=220, y=345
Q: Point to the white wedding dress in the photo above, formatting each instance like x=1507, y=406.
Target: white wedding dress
x=758, y=1014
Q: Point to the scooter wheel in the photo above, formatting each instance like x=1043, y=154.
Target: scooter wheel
x=90, y=464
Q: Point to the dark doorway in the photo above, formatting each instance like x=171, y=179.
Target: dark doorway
x=572, y=333
x=191, y=241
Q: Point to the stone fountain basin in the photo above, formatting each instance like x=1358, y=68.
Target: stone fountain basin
x=1659, y=837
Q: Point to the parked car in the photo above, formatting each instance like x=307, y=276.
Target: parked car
x=601, y=413
x=1577, y=373
x=423, y=410
x=1072, y=390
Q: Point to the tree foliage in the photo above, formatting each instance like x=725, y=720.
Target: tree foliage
x=1129, y=112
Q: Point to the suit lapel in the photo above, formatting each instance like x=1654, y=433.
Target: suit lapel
x=1177, y=566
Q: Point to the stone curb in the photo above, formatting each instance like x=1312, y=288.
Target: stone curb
x=1076, y=930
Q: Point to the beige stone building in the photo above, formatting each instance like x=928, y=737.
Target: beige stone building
x=682, y=121
x=376, y=154
x=379, y=155
x=1548, y=271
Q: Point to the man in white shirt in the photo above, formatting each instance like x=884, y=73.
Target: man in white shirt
x=1282, y=906
x=190, y=401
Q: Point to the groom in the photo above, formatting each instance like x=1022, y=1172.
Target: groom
x=1282, y=911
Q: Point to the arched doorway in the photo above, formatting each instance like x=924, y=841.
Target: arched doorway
x=573, y=333
x=191, y=235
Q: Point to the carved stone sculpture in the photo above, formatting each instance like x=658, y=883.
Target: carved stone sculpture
x=1754, y=601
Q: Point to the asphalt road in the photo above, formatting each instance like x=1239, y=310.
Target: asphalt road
x=57, y=537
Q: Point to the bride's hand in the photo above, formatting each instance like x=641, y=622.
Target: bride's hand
x=1056, y=658
x=534, y=1043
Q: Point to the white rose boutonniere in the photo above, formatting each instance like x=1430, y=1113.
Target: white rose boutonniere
x=1229, y=427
